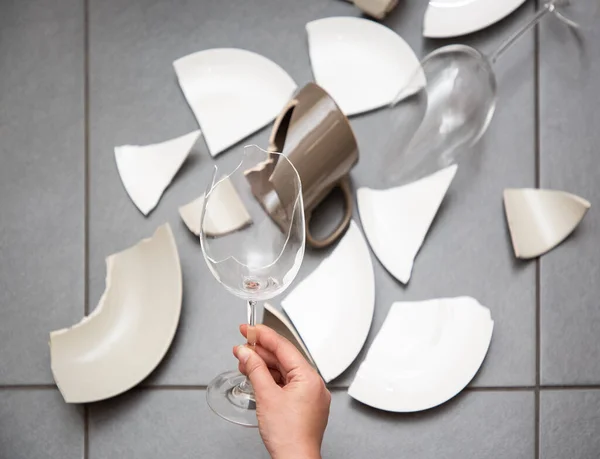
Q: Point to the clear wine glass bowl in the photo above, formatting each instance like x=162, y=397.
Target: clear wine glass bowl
x=460, y=94
x=253, y=239
x=461, y=98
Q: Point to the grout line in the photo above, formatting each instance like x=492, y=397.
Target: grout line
x=547, y=387
x=173, y=387
x=499, y=389
x=536, y=424
x=27, y=387
x=86, y=211
x=86, y=431
x=570, y=387
x=538, y=308
x=86, y=192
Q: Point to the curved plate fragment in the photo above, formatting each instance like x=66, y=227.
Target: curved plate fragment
x=425, y=353
x=231, y=217
x=397, y=220
x=360, y=63
x=332, y=308
x=539, y=220
x=232, y=92
x=127, y=335
x=276, y=320
x=452, y=18
x=147, y=171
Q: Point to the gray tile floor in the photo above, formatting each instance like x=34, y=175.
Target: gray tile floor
x=78, y=77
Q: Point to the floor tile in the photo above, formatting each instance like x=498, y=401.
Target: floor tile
x=569, y=424
x=453, y=430
x=569, y=136
x=39, y=424
x=468, y=249
x=41, y=181
x=159, y=423
x=150, y=424
x=135, y=99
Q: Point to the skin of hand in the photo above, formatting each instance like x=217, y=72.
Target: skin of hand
x=292, y=402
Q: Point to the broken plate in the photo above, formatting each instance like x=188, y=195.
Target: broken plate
x=147, y=171
x=539, y=220
x=397, y=220
x=425, y=353
x=332, y=308
x=127, y=335
x=451, y=18
x=232, y=92
x=276, y=320
x=220, y=220
x=360, y=63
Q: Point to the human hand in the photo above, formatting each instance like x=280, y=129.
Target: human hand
x=292, y=402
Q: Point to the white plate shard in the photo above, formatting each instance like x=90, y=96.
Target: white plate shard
x=452, y=18
x=332, y=308
x=425, y=353
x=123, y=340
x=232, y=92
x=539, y=220
x=147, y=171
x=276, y=320
x=363, y=65
x=397, y=220
x=219, y=220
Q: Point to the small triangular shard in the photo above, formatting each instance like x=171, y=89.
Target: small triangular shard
x=396, y=220
x=146, y=171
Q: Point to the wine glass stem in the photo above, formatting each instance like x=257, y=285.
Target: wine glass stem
x=245, y=386
x=251, y=337
x=547, y=8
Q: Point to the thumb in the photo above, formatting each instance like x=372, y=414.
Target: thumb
x=256, y=370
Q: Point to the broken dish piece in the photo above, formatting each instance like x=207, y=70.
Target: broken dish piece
x=220, y=220
x=362, y=64
x=425, y=353
x=232, y=92
x=332, y=308
x=123, y=340
x=147, y=171
x=277, y=320
x=452, y=18
x=397, y=220
x=539, y=220
x=376, y=8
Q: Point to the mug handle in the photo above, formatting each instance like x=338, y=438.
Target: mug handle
x=344, y=185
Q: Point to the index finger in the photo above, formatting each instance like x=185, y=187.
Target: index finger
x=286, y=353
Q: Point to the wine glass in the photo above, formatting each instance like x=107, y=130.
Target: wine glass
x=461, y=93
x=253, y=238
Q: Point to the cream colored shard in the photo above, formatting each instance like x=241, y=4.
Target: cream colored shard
x=226, y=214
x=539, y=220
x=127, y=335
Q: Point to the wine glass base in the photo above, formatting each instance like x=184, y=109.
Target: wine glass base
x=226, y=400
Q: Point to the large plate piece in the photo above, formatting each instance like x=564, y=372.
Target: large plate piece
x=123, y=340
x=425, y=353
x=452, y=18
x=233, y=93
x=363, y=65
x=332, y=309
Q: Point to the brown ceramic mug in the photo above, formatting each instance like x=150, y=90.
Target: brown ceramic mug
x=318, y=140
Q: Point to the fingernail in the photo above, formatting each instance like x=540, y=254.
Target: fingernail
x=243, y=354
